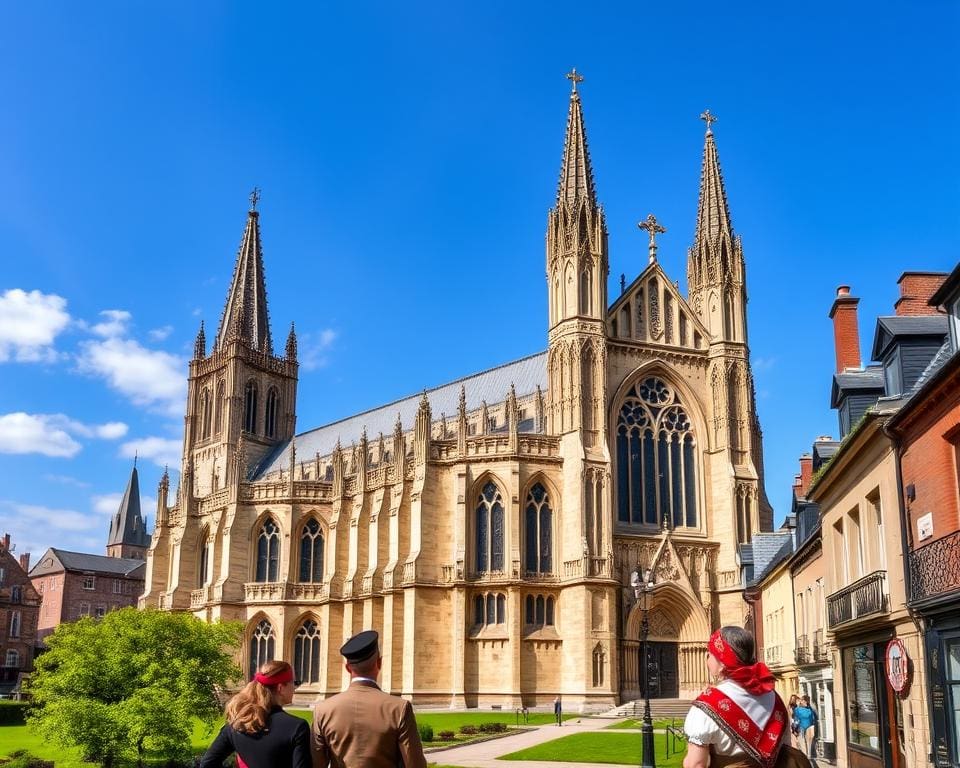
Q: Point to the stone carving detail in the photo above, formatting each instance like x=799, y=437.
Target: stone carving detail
x=661, y=626
x=656, y=327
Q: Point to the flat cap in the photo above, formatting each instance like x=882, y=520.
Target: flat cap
x=361, y=646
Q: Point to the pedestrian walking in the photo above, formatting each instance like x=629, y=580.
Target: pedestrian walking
x=558, y=710
x=363, y=726
x=794, y=729
x=740, y=720
x=257, y=728
x=805, y=718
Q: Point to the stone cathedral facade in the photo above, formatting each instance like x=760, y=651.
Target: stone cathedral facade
x=488, y=527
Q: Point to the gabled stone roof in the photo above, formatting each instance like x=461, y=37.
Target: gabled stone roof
x=492, y=386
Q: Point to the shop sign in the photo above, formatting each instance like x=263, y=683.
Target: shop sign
x=897, y=664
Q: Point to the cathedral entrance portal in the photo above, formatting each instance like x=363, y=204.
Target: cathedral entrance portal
x=662, y=671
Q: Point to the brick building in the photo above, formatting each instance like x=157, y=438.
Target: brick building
x=75, y=584
x=927, y=429
x=19, y=612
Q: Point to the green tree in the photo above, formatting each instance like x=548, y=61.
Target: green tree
x=130, y=684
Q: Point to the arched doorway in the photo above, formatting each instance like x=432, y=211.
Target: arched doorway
x=676, y=647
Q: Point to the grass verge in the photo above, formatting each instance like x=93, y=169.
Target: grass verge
x=599, y=747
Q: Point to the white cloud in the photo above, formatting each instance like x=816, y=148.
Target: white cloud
x=160, y=334
x=30, y=515
x=26, y=433
x=29, y=324
x=162, y=451
x=51, y=434
x=66, y=480
x=108, y=503
x=313, y=348
x=34, y=527
x=147, y=376
x=763, y=363
x=114, y=324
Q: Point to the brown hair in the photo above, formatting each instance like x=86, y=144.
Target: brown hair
x=741, y=641
x=249, y=710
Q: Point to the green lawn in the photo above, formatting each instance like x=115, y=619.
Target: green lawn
x=662, y=722
x=599, y=747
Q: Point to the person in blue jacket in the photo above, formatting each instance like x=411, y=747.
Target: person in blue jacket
x=805, y=720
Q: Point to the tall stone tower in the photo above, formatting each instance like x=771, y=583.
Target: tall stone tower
x=716, y=283
x=128, y=531
x=577, y=268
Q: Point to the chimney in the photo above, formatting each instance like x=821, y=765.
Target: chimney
x=916, y=290
x=6, y=543
x=806, y=473
x=25, y=562
x=796, y=486
x=846, y=335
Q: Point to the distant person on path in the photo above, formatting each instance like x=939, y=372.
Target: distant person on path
x=363, y=726
x=805, y=719
x=794, y=729
x=740, y=720
x=558, y=710
x=257, y=728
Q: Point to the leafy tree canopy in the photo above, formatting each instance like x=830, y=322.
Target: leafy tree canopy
x=130, y=684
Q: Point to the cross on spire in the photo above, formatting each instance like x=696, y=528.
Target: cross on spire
x=574, y=78
x=653, y=228
x=254, y=198
x=708, y=119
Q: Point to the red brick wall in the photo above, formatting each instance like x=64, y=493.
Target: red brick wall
x=28, y=608
x=916, y=288
x=931, y=441
x=65, y=597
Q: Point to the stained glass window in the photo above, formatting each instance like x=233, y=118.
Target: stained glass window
x=306, y=653
x=261, y=646
x=489, y=530
x=538, y=532
x=268, y=552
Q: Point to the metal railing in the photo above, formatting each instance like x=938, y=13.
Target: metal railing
x=771, y=654
x=865, y=597
x=935, y=568
x=819, y=646
x=802, y=651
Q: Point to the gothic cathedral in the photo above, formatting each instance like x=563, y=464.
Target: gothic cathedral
x=493, y=550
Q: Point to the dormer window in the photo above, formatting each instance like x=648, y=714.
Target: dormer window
x=892, y=374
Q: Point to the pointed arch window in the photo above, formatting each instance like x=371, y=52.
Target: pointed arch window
x=489, y=530
x=204, y=564
x=270, y=414
x=262, y=644
x=538, y=532
x=656, y=458
x=539, y=611
x=599, y=662
x=311, y=553
x=489, y=609
x=218, y=407
x=250, y=407
x=268, y=552
x=206, y=413
x=306, y=653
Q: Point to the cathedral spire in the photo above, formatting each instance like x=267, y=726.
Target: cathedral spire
x=245, y=315
x=128, y=533
x=713, y=212
x=576, y=173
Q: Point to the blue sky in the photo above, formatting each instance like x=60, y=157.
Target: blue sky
x=408, y=154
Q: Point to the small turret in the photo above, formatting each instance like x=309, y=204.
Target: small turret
x=291, y=351
x=200, y=345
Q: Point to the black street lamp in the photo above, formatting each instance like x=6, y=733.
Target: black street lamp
x=642, y=584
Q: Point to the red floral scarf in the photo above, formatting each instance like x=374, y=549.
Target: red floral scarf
x=761, y=742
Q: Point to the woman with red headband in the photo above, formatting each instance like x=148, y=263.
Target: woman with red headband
x=740, y=719
x=257, y=729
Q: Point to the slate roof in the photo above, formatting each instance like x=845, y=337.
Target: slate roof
x=870, y=377
x=939, y=360
x=769, y=549
x=897, y=326
x=127, y=525
x=84, y=563
x=492, y=386
x=823, y=451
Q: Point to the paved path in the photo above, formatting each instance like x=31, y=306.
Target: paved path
x=485, y=754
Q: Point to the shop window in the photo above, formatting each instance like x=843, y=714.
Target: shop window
x=862, y=685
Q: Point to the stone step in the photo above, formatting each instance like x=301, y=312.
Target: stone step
x=659, y=708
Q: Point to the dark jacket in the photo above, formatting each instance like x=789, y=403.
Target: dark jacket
x=284, y=742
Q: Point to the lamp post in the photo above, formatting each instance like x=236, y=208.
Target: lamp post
x=642, y=584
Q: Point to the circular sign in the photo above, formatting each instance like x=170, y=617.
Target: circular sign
x=898, y=665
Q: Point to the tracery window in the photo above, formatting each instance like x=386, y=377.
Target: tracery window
x=206, y=413
x=656, y=457
x=539, y=611
x=270, y=415
x=489, y=530
x=311, y=553
x=489, y=609
x=538, y=532
x=268, y=551
x=262, y=643
x=250, y=407
x=599, y=662
x=306, y=653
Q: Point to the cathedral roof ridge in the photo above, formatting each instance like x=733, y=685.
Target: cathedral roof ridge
x=492, y=384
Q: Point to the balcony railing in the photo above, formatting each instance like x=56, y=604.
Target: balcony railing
x=865, y=597
x=802, y=651
x=935, y=568
x=819, y=647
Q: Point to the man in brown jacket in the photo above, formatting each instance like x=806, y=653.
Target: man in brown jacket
x=363, y=727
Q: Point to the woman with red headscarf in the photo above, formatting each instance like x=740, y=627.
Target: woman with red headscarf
x=258, y=730
x=740, y=719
